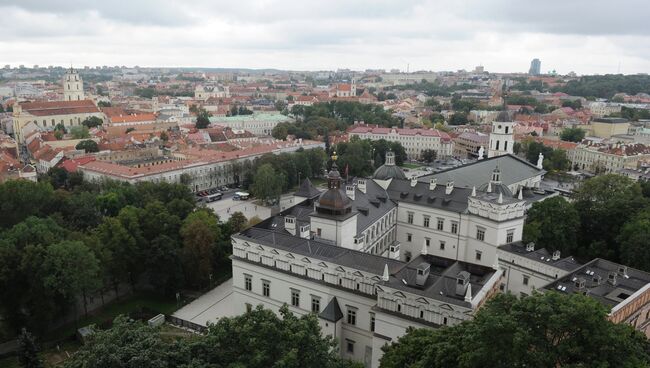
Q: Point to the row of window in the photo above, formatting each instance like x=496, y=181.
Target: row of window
x=426, y=222
x=315, y=301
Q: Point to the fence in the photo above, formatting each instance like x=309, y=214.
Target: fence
x=186, y=324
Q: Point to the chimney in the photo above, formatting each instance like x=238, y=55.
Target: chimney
x=449, y=188
x=468, y=294
x=530, y=247
x=349, y=191
x=580, y=283
x=424, y=250
x=361, y=184
x=423, y=270
x=474, y=191
x=414, y=181
x=611, y=278
x=623, y=271
x=462, y=281
x=556, y=255
x=290, y=224
x=305, y=231
x=432, y=184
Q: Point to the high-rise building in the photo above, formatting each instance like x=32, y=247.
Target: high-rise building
x=535, y=67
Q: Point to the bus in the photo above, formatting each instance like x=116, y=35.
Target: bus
x=213, y=197
x=241, y=196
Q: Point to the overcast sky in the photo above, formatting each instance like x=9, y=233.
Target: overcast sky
x=585, y=36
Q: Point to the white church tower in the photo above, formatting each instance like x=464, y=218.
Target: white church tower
x=502, y=138
x=73, y=86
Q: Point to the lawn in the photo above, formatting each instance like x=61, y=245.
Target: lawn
x=130, y=304
x=411, y=166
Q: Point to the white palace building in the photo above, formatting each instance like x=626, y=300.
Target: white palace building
x=372, y=257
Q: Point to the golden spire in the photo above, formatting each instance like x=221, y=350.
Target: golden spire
x=334, y=156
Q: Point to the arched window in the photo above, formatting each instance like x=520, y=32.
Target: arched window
x=497, y=146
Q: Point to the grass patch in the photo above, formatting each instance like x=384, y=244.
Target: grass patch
x=108, y=313
x=411, y=166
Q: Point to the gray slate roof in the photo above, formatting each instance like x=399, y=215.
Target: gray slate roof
x=441, y=283
x=307, y=190
x=332, y=312
x=541, y=255
x=610, y=295
x=513, y=170
x=401, y=191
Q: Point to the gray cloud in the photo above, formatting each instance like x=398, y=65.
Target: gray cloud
x=581, y=35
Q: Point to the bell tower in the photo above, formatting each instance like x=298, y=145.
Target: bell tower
x=73, y=86
x=502, y=138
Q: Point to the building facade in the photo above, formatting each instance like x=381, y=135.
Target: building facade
x=414, y=141
x=73, y=86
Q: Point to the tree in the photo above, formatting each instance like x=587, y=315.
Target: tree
x=28, y=351
x=553, y=224
x=92, y=121
x=257, y=339
x=566, y=331
x=20, y=199
x=280, y=341
x=202, y=119
x=128, y=344
x=605, y=203
x=237, y=222
x=72, y=270
x=458, y=118
x=164, y=136
x=200, y=233
x=633, y=240
x=429, y=155
x=79, y=132
x=572, y=134
x=88, y=145
x=267, y=183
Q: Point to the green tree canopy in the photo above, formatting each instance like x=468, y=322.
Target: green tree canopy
x=88, y=145
x=546, y=231
x=542, y=330
x=572, y=134
x=267, y=183
x=92, y=121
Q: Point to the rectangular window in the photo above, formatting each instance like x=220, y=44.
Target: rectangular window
x=480, y=233
x=372, y=322
x=249, y=307
x=478, y=255
x=352, y=316
x=442, y=245
x=425, y=223
x=350, y=346
x=315, y=304
x=248, y=282
x=427, y=241
x=266, y=288
x=409, y=237
x=510, y=236
x=409, y=217
x=295, y=298
x=441, y=224
x=454, y=227
x=526, y=278
x=318, y=231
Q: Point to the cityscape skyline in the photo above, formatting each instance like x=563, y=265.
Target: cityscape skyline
x=415, y=35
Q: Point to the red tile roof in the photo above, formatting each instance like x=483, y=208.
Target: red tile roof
x=59, y=107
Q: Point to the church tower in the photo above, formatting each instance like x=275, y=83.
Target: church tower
x=502, y=136
x=73, y=86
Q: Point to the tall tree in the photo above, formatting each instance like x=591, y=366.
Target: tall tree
x=634, y=240
x=267, y=183
x=553, y=224
x=604, y=204
x=200, y=233
x=28, y=350
x=72, y=271
x=566, y=331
